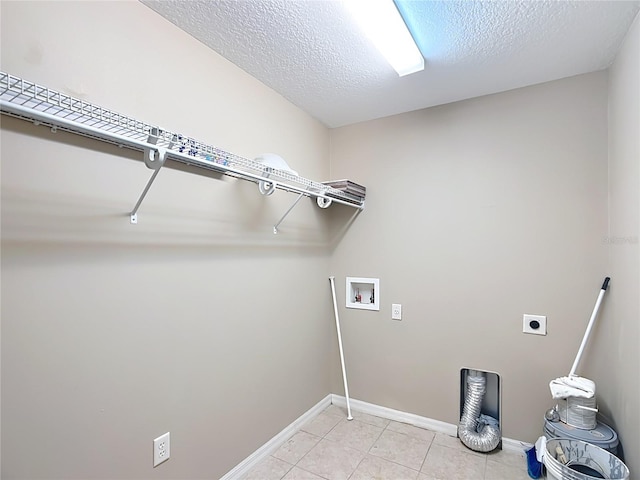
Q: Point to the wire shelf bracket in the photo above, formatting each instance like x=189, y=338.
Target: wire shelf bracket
x=275, y=227
x=43, y=106
x=154, y=159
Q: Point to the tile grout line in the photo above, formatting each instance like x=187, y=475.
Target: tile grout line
x=415, y=438
x=427, y=454
x=356, y=469
x=287, y=472
x=324, y=437
x=303, y=456
x=308, y=471
x=484, y=472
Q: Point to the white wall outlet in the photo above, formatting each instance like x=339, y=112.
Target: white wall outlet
x=534, y=324
x=161, y=449
x=396, y=311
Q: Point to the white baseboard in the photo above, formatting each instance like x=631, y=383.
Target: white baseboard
x=508, y=444
x=512, y=445
x=272, y=445
x=397, y=415
x=358, y=405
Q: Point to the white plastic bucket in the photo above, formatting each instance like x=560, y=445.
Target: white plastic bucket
x=602, y=436
x=582, y=459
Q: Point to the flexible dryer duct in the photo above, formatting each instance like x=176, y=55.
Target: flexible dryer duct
x=488, y=437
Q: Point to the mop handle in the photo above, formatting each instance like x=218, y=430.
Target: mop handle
x=344, y=370
x=592, y=320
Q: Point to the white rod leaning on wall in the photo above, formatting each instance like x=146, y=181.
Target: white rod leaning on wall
x=344, y=370
x=592, y=320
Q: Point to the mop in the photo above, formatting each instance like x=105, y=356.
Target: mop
x=569, y=387
x=574, y=387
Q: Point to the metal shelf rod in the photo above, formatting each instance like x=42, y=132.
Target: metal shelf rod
x=37, y=116
x=42, y=106
x=74, y=127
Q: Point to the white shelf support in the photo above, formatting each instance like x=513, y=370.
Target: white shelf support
x=275, y=227
x=134, y=212
x=154, y=159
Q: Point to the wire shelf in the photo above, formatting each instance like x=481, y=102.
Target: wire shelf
x=41, y=105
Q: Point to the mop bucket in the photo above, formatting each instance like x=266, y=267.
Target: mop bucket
x=567, y=459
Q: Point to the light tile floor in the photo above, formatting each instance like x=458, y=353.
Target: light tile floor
x=331, y=448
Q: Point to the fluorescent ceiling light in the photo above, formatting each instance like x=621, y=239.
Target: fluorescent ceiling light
x=382, y=23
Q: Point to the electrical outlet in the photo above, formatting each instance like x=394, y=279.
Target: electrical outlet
x=396, y=311
x=534, y=324
x=161, y=449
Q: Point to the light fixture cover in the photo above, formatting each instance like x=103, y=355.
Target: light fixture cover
x=384, y=26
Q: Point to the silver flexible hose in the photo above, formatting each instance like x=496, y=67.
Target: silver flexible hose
x=488, y=438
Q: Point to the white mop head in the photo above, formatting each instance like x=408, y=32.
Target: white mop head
x=572, y=386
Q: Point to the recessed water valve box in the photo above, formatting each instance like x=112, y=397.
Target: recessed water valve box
x=363, y=293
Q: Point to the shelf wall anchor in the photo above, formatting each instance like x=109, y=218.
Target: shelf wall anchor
x=266, y=188
x=275, y=227
x=154, y=157
x=323, y=202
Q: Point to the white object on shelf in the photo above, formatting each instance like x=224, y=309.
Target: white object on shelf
x=271, y=160
x=363, y=293
x=32, y=102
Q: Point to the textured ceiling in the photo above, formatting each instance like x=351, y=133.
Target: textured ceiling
x=312, y=53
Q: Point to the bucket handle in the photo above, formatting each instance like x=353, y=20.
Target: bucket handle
x=586, y=408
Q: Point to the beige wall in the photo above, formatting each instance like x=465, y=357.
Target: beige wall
x=477, y=212
x=198, y=320
x=614, y=358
